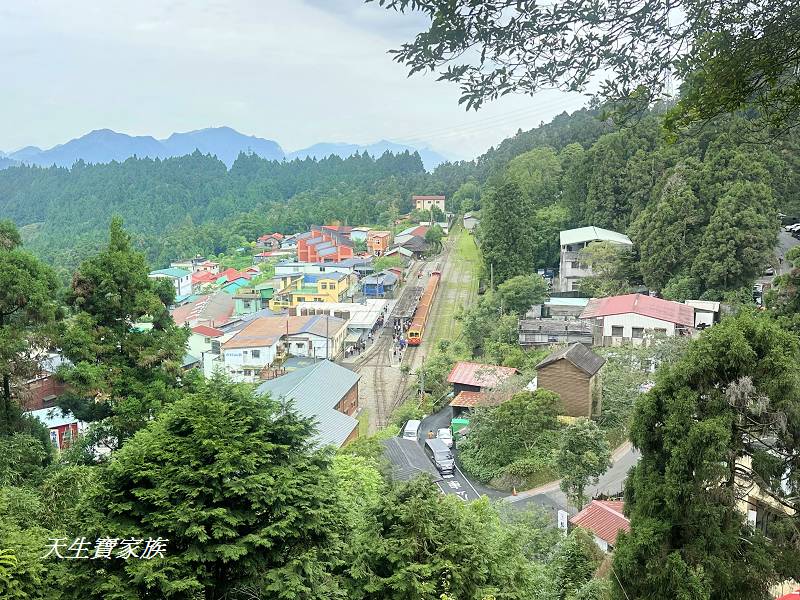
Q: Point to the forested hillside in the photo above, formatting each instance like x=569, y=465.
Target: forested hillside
x=194, y=204
x=684, y=202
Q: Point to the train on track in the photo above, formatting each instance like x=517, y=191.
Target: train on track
x=421, y=314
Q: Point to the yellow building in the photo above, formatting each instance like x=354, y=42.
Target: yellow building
x=320, y=287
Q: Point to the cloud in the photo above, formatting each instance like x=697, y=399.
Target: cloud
x=297, y=72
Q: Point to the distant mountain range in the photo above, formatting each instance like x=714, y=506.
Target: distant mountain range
x=105, y=145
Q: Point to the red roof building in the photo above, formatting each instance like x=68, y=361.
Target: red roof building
x=232, y=275
x=476, y=377
x=207, y=331
x=628, y=318
x=203, y=277
x=604, y=519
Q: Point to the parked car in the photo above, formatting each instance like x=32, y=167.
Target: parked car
x=770, y=270
x=440, y=456
x=411, y=430
x=446, y=436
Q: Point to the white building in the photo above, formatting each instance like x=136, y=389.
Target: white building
x=635, y=317
x=181, y=279
x=706, y=312
x=361, y=317
x=349, y=266
x=470, y=221
x=571, y=270
x=263, y=340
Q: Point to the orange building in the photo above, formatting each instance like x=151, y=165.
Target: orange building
x=322, y=244
x=378, y=242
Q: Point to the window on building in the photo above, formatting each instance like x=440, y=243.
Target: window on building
x=244, y=352
x=247, y=372
x=637, y=332
x=575, y=264
x=616, y=331
x=301, y=299
x=256, y=353
x=323, y=286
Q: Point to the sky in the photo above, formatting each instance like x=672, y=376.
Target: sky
x=295, y=71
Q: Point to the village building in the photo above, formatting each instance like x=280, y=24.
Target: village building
x=264, y=340
x=202, y=280
x=325, y=392
x=207, y=266
x=188, y=264
x=427, y=202
x=358, y=265
x=43, y=389
x=571, y=270
x=545, y=332
x=181, y=279
x=359, y=234
x=324, y=244
x=362, y=318
x=415, y=246
x=411, y=232
x=706, y=312
x=380, y=285
x=559, y=308
x=402, y=253
x=574, y=374
x=378, y=242
x=209, y=309
x=635, y=317
x=270, y=241
x=604, y=519
x=62, y=426
x=249, y=300
x=470, y=221
x=322, y=287
x=476, y=384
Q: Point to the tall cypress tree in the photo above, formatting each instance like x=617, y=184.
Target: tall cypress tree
x=720, y=427
x=28, y=291
x=121, y=374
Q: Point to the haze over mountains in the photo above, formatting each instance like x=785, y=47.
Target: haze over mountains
x=105, y=145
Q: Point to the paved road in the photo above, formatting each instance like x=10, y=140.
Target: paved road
x=611, y=483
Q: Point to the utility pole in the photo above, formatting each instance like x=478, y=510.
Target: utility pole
x=491, y=276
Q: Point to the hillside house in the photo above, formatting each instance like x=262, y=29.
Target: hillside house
x=270, y=241
x=202, y=280
x=427, y=202
x=574, y=374
x=378, y=242
x=43, y=389
x=358, y=265
x=470, y=221
x=633, y=317
x=572, y=241
x=181, y=279
x=62, y=426
x=188, y=264
x=362, y=317
x=325, y=392
x=706, y=312
x=410, y=232
x=604, y=519
x=207, y=266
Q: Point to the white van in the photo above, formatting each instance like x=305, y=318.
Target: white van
x=411, y=430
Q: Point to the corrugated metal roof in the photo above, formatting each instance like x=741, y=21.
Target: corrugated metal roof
x=593, y=234
x=53, y=417
x=640, y=304
x=468, y=399
x=479, y=375
x=171, y=272
x=579, y=355
x=567, y=302
x=315, y=391
x=603, y=518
